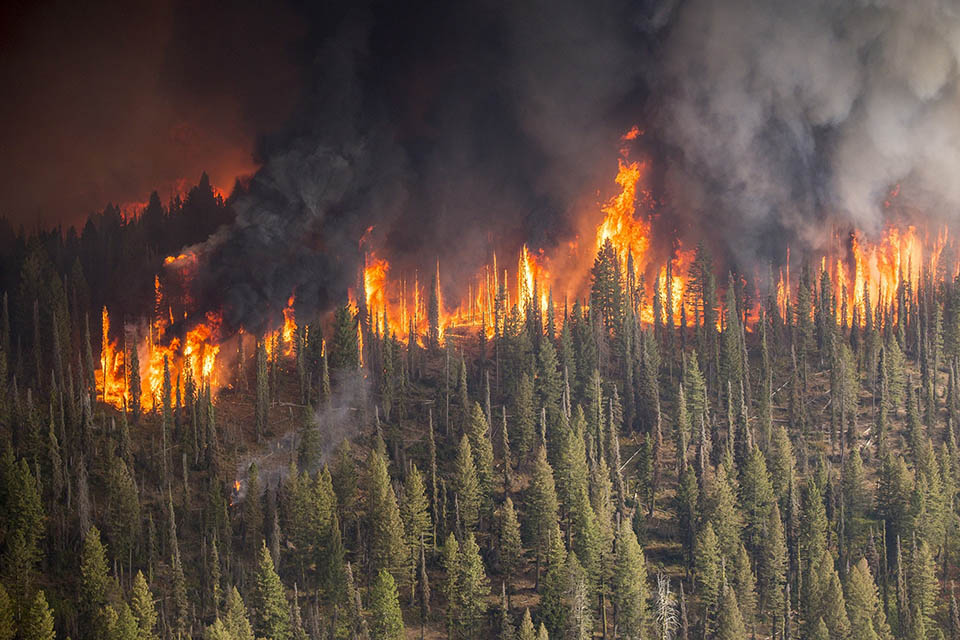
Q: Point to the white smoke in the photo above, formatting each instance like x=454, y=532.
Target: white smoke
x=782, y=114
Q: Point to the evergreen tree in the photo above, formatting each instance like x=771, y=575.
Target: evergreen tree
x=867, y=618
x=526, y=631
x=383, y=518
x=472, y=589
x=141, y=604
x=386, y=618
x=466, y=485
x=708, y=569
x=271, y=613
x=94, y=584
x=235, y=618
x=630, y=590
x=510, y=557
x=482, y=449
x=344, y=349
x=730, y=624
x=772, y=565
x=416, y=519
x=37, y=623
x=541, y=504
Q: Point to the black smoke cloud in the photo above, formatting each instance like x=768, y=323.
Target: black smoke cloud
x=459, y=127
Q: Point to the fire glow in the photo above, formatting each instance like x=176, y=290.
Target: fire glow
x=866, y=274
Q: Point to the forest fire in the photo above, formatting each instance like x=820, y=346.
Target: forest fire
x=867, y=276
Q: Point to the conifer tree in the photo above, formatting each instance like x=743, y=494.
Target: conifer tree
x=526, y=630
x=344, y=349
x=526, y=418
x=923, y=587
x=383, y=518
x=482, y=449
x=450, y=559
x=416, y=519
x=235, y=618
x=37, y=623
x=630, y=590
x=866, y=612
x=510, y=557
x=724, y=515
x=772, y=565
x=730, y=625
x=708, y=565
x=466, y=485
x=554, y=586
x=141, y=604
x=386, y=619
x=472, y=589
x=756, y=500
x=541, y=504
x=745, y=585
x=94, y=583
x=271, y=614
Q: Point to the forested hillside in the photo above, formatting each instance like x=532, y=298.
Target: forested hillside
x=572, y=472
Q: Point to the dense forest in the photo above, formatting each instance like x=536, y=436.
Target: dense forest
x=570, y=472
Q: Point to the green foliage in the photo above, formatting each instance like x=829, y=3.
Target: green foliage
x=271, y=615
x=466, y=485
x=386, y=618
x=141, y=605
x=630, y=589
x=383, y=518
x=472, y=589
x=37, y=624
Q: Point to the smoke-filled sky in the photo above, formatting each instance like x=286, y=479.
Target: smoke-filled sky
x=454, y=127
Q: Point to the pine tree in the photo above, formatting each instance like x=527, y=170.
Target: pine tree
x=416, y=519
x=510, y=557
x=867, y=618
x=756, y=500
x=481, y=446
x=553, y=588
x=386, y=618
x=730, y=624
x=271, y=614
x=37, y=624
x=466, y=485
x=472, y=589
x=687, y=513
x=383, y=518
x=450, y=559
x=580, y=614
x=724, y=515
x=708, y=569
x=630, y=590
x=745, y=585
x=344, y=349
x=772, y=565
x=923, y=588
x=541, y=505
x=94, y=583
x=235, y=618
x=526, y=631
x=141, y=604
x=526, y=418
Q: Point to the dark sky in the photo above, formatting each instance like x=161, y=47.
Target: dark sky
x=104, y=102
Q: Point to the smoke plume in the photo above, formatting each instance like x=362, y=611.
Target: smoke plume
x=453, y=130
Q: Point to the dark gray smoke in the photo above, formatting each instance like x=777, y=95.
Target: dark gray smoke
x=458, y=128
